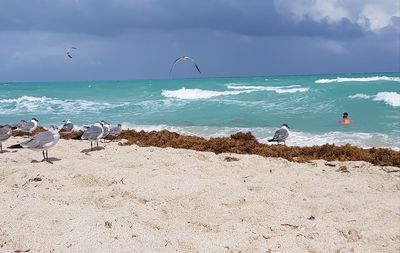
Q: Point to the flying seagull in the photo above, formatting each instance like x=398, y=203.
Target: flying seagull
x=69, y=52
x=115, y=131
x=5, y=133
x=67, y=127
x=281, y=134
x=184, y=58
x=41, y=142
x=28, y=126
x=93, y=133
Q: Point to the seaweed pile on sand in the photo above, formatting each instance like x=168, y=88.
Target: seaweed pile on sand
x=246, y=143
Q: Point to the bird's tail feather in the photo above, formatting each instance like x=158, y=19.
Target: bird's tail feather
x=271, y=140
x=15, y=146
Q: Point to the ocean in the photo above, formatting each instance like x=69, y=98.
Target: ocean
x=209, y=107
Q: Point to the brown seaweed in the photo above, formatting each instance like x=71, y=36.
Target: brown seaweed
x=246, y=143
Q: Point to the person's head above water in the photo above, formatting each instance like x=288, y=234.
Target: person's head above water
x=345, y=120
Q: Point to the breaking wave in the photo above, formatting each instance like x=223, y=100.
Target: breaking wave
x=358, y=79
x=390, y=98
x=184, y=93
x=277, y=89
x=45, y=105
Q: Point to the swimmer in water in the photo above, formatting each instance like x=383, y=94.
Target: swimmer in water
x=345, y=120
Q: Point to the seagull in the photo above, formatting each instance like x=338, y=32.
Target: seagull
x=184, y=58
x=28, y=126
x=67, y=127
x=281, y=134
x=93, y=133
x=69, y=52
x=106, y=128
x=41, y=142
x=19, y=124
x=116, y=130
x=5, y=134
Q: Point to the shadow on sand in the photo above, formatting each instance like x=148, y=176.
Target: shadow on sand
x=51, y=160
x=86, y=151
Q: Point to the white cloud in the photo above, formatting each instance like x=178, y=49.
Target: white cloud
x=370, y=14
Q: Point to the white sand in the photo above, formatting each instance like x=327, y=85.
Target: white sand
x=131, y=199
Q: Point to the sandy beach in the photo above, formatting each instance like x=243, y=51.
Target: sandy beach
x=148, y=199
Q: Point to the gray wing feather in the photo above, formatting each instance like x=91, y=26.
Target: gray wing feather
x=105, y=131
x=27, y=126
x=39, y=140
x=115, y=131
x=92, y=133
x=5, y=133
x=281, y=135
x=67, y=127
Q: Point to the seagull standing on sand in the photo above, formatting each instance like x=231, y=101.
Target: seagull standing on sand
x=184, y=58
x=115, y=131
x=93, y=133
x=28, y=126
x=19, y=124
x=281, y=134
x=5, y=134
x=67, y=127
x=106, y=128
x=41, y=142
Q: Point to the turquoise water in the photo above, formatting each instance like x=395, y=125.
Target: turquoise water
x=310, y=105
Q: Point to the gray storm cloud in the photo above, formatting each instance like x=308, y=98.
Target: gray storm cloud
x=122, y=39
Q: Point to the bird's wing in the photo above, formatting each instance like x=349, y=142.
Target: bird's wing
x=115, y=131
x=281, y=135
x=67, y=127
x=4, y=130
x=39, y=140
x=5, y=133
x=27, y=126
x=197, y=67
x=92, y=132
x=191, y=59
x=173, y=65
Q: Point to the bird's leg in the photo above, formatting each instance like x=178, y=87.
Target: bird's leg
x=1, y=147
x=44, y=157
x=97, y=145
x=91, y=146
x=47, y=156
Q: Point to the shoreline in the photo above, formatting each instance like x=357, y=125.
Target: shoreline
x=246, y=143
x=149, y=199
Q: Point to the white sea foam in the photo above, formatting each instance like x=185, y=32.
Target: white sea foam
x=359, y=79
x=184, y=93
x=360, y=95
x=390, y=98
x=44, y=105
x=277, y=89
x=235, y=89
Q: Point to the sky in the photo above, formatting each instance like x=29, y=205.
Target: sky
x=140, y=39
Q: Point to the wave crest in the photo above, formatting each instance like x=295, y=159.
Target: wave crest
x=45, y=105
x=390, y=98
x=184, y=93
x=359, y=79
